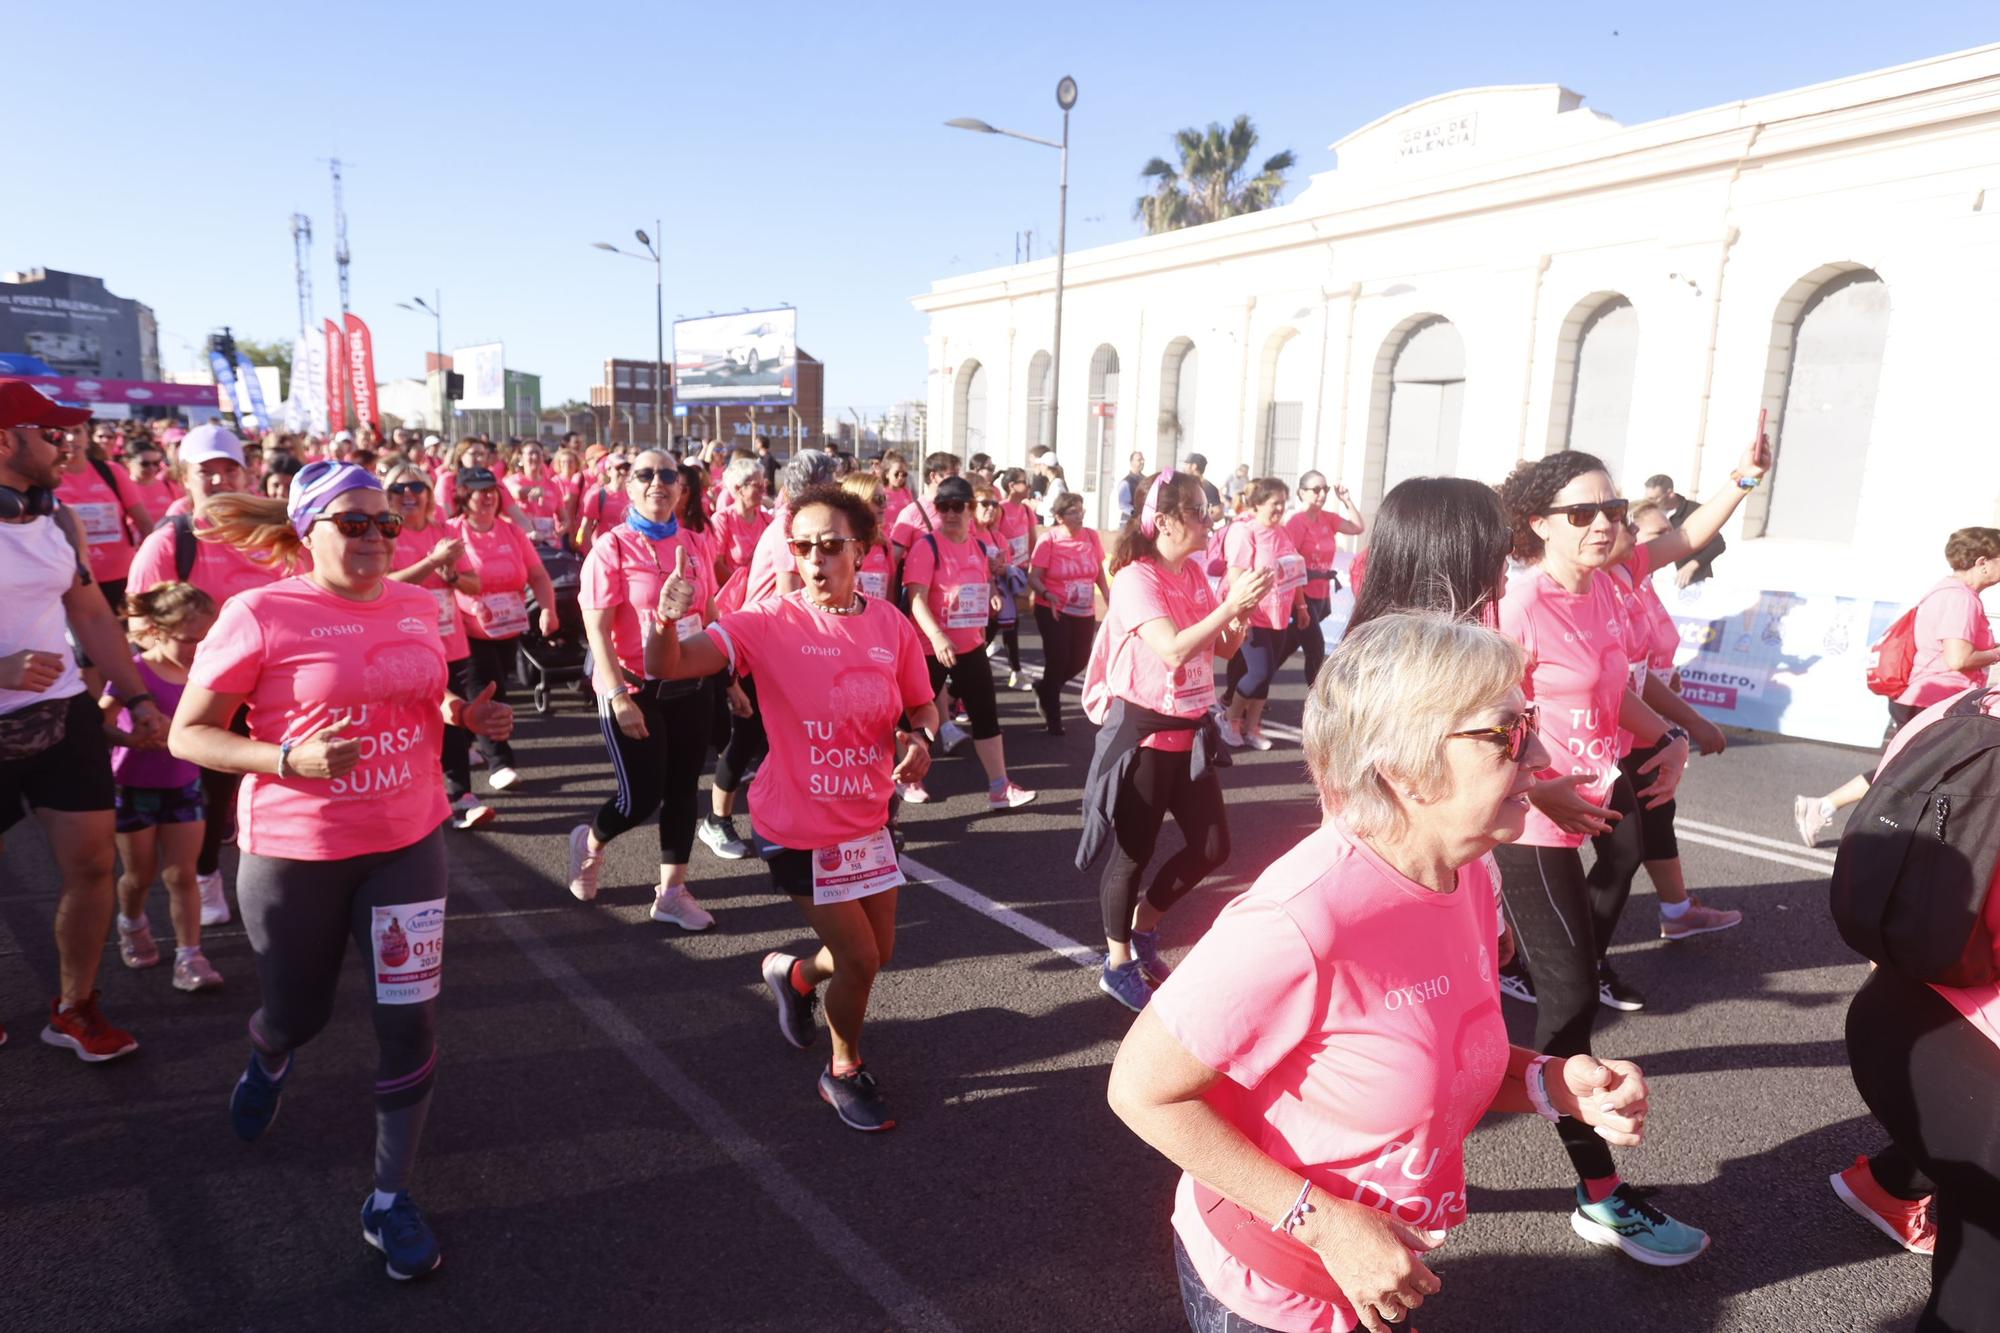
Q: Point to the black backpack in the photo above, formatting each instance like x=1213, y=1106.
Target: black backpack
x=1916, y=863
x=185, y=543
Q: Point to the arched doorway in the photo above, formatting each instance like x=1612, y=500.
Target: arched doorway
x=1287, y=380
x=1102, y=467
x=1419, y=399
x=1599, y=354
x=1179, y=369
x=1039, y=420
x=968, y=418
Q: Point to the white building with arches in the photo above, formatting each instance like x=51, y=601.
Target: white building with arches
x=1496, y=273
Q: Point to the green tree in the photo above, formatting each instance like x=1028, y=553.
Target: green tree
x=277, y=354
x=1210, y=183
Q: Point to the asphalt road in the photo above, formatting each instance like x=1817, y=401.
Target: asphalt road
x=620, y=1137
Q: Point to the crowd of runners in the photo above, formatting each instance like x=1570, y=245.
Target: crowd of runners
x=305, y=648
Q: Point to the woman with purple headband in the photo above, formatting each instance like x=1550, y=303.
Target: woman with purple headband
x=338, y=821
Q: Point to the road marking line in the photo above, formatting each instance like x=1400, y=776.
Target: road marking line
x=1722, y=831
x=902, y=1302
x=1015, y=920
x=1741, y=849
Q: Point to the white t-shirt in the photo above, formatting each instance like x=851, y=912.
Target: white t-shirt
x=37, y=566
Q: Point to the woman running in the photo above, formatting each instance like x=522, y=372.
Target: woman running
x=877, y=574
x=344, y=676
x=1015, y=528
x=1317, y=534
x=820, y=802
x=950, y=585
x=1065, y=573
x=656, y=731
x=1150, y=686
x=507, y=566
x=741, y=516
x=429, y=555
x=1009, y=580
x=604, y=500
x=1261, y=542
x=538, y=500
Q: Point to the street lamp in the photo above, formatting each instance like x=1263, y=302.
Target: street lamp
x=659, y=322
x=434, y=307
x=1065, y=98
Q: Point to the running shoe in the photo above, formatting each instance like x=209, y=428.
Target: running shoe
x=915, y=794
x=86, y=1031
x=952, y=738
x=214, y=902
x=1614, y=993
x=1009, y=797
x=1811, y=815
x=136, y=947
x=253, y=1102
x=195, y=973
x=857, y=1099
x=1256, y=740
x=500, y=779
x=1231, y=734
x=675, y=906
x=719, y=833
x=1013, y=680
x=1699, y=919
x=1126, y=984
x=1625, y=1221
x=1908, y=1222
x=469, y=812
x=1517, y=985
x=404, y=1238
x=795, y=1011
x=583, y=864
x=1146, y=950
x=476, y=760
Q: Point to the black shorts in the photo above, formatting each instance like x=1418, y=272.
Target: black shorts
x=73, y=775
x=149, y=807
x=791, y=869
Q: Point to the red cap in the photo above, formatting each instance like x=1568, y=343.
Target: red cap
x=21, y=405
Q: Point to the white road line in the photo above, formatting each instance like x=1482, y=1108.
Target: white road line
x=1780, y=858
x=1721, y=831
x=1018, y=922
x=908, y=1306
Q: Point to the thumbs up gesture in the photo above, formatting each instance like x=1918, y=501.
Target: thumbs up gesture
x=484, y=717
x=327, y=753
x=677, y=594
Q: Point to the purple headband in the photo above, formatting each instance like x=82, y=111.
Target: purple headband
x=316, y=486
x=1149, y=517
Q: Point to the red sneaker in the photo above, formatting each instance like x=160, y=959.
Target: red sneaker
x=1907, y=1222
x=86, y=1031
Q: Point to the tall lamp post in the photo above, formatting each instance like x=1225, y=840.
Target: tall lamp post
x=659, y=322
x=435, y=309
x=1065, y=98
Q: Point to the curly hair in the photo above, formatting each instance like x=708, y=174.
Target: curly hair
x=859, y=513
x=1531, y=488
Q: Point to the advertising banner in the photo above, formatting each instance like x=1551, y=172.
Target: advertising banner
x=725, y=360
x=336, y=378
x=228, y=395
x=485, y=377
x=361, y=371
x=74, y=325
x=133, y=393
x=250, y=396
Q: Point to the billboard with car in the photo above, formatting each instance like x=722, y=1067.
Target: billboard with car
x=752, y=357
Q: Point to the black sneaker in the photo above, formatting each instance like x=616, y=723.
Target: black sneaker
x=795, y=1011
x=1613, y=993
x=856, y=1099
x=1517, y=985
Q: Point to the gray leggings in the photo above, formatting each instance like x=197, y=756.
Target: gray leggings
x=300, y=916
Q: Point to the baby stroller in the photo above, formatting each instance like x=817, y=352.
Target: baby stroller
x=544, y=661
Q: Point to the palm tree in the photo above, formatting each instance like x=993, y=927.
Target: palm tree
x=1209, y=184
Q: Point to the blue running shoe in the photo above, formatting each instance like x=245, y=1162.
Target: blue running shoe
x=401, y=1233
x=857, y=1099
x=1146, y=948
x=253, y=1104
x=1126, y=984
x=1624, y=1221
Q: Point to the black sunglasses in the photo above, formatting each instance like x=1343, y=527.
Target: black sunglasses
x=1513, y=734
x=950, y=506
x=407, y=488
x=354, y=526
x=649, y=475
x=1582, y=516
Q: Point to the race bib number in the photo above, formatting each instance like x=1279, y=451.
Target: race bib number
x=687, y=626
x=506, y=613
x=103, y=523
x=859, y=868
x=409, y=952
x=1079, y=599
x=447, y=612
x=1291, y=572
x=1017, y=549
x=1194, y=688
x=545, y=529
x=875, y=583
x=970, y=607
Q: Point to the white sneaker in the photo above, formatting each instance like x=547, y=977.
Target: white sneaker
x=583, y=864
x=952, y=737
x=1008, y=797
x=1811, y=814
x=468, y=811
x=721, y=837
x=500, y=779
x=677, y=907
x=1013, y=680
x=1231, y=735
x=214, y=902
x=1256, y=740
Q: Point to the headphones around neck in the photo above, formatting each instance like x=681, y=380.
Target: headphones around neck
x=35, y=502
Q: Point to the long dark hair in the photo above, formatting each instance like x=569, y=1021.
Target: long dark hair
x=1436, y=544
x=694, y=504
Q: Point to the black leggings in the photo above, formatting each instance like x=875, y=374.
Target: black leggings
x=492, y=663
x=971, y=679
x=747, y=742
x=1312, y=639
x=1065, y=651
x=1933, y=1080
x=1157, y=785
x=1008, y=632
x=1263, y=652
x=457, y=757
x=218, y=792
x=1656, y=827
x=661, y=772
x=1562, y=920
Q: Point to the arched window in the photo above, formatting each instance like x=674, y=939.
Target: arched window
x=1598, y=354
x=1419, y=397
x=1287, y=380
x=968, y=418
x=1179, y=368
x=1039, y=418
x=1825, y=366
x=1102, y=467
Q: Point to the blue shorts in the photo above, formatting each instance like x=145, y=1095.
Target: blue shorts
x=149, y=807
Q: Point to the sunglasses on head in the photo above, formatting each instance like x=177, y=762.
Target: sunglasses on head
x=826, y=544
x=1514, y=735
x=951, y=506
x=649, y=475
x=354, y=525
x=1582, y=516
x=407, y=488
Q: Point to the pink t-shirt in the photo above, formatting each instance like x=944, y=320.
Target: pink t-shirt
x=1251, y=545
x=1980, y=1004
x=736, y=534
x=159, y=495
x=894, y=502
x=1316, y=536
x=1629, y=587
x=413, y=546
x=303, y=658
x=219, y=570
x=605, y=506
x=1577, y=672
x=624, y=572
x=501, y=556
x=770, y=558
x=1354, y=1016
x=100, y=512
x=1145, y=591
x=1069, y=566
x=877, y=572
x=1948, y=611
x=1016, y=530
x=539, y=506
x=831, y=689
x=908, y=528
x=960, y=592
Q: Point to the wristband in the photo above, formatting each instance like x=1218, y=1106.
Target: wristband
x=1536, y=1081
x=1676, y=733
x=132, y=701
x=1747, y=483
x=284, y=756
x=607, y=696
x=1296, y=1214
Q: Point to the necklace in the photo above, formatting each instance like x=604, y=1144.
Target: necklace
x=853, y=607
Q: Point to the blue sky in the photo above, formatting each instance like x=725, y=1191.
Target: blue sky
x=795, y=153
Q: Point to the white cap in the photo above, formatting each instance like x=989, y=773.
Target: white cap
x=206, y=443
x=430, y=440
x=343, y=437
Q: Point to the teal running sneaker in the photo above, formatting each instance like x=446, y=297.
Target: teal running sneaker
x=1627, y=1222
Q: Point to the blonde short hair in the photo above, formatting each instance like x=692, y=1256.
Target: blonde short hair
x=1377, y=715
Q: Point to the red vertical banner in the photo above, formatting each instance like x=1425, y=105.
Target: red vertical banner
x=361, y=364
x=336, y=378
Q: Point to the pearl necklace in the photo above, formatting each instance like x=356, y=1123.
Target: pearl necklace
x=853, y=607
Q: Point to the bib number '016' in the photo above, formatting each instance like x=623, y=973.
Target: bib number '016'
x=858, y=868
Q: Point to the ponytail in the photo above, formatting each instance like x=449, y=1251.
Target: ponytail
x=254, y=525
